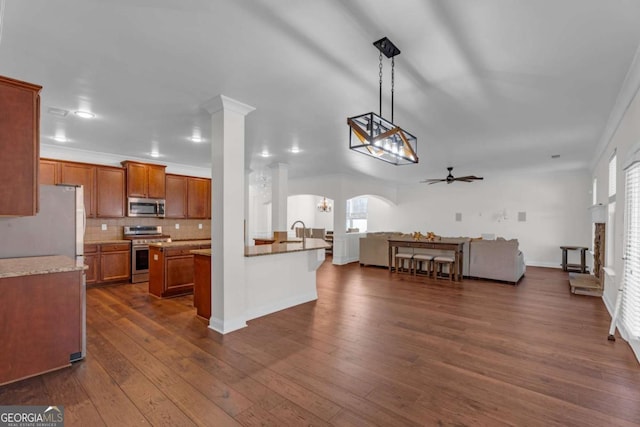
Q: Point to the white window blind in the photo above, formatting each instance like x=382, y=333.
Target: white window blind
x=630, y=309
x=612, y=175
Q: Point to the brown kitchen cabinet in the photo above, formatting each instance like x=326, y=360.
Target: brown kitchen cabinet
x=84, y=174
x=145, y=180
x=49, y=172
x=20, y=147
x=176, y=201
x=91, y=259
x=42, y=324
x=188, y=197
x=107, y=262
x=202, y=285
x=198, y=198
x=171, y=271
x=103, y=186
x=110, y=187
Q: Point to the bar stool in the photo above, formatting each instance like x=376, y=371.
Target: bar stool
x=401, y=257
x=439, y=261
x=418, y=263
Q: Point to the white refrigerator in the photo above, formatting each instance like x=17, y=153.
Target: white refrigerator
x=57, y=229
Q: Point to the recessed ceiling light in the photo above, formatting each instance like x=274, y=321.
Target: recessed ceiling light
x=196, y=138
x=265, y=153
x=60, y=138
x=154, y=154
x=555, y=156
x=295, y=150
x=84, y=114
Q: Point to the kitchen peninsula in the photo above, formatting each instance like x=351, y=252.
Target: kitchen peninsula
x=278, y=276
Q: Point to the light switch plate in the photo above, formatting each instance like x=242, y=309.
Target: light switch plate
x=104, y=227
x=177, y=226
x=199, y=226
x=155, y=257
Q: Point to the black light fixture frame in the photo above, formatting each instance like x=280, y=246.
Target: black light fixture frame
x=375, y=136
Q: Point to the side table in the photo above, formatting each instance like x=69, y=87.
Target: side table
x=582, y=267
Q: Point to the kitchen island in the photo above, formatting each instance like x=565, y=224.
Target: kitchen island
x=277, y=276
x=171, y=267
x=41, y=309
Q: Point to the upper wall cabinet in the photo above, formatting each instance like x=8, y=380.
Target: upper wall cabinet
x=81, y=174
x=188, y=197
x=145, y=180
x=104, y=186
x=19, y=145
x=110, y=183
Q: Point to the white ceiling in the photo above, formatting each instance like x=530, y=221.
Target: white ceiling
x=486, y=86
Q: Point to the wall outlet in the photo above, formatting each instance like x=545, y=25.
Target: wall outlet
x=155, y=257
x=177, y=226
x=104, y=227
x=199, y=226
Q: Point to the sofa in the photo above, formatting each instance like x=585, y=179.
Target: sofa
x=496, y=260
x=374, y=249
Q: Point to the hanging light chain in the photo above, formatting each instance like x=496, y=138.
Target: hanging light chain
x=380, y=90
x=393, y=67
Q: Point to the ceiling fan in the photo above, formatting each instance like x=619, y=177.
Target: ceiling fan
x=449, y=179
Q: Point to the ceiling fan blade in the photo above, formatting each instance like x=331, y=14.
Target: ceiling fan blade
x=470, y=177
x=431, y=181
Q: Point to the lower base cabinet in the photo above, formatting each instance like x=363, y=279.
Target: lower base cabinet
x=171, y=270
x=41, y=324
x=107, y=262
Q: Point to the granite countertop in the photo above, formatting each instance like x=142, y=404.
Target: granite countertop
x=180, y=243
x=283, y=248
x=16, y=267
x=205, y=252
x=99, y=242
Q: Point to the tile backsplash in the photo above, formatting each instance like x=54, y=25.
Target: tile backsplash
x=188, y=228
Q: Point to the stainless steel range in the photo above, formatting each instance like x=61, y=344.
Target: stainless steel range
x=141, y=236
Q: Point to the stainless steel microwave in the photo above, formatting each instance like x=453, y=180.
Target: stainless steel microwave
x=145, y=207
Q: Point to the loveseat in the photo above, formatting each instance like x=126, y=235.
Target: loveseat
x=497, y=260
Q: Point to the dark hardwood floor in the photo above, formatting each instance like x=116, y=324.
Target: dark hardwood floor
x=374, y=349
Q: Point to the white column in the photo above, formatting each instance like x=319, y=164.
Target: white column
x=279, y=194
x=228, y=288
x=340, y=245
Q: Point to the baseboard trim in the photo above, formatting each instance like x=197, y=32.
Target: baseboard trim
x=542, y=264
x=344, y=260
x=224, y=327
x=281, y=305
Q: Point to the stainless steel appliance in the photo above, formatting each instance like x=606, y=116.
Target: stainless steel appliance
x=57, y=229
x=141, y=236
x=145, y=207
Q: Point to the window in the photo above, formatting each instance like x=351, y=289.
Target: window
x=357, y=213
x=611, y=214
x=630, y=308
x=612, y=175
x=594, y=192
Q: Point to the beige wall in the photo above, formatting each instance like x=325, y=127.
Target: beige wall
x=188, y=228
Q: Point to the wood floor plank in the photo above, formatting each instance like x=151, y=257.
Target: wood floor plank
x=197, y=407
x=63, y=387
x=111, y=402
x=152, y=403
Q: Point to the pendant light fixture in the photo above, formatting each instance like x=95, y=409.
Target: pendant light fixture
x=375, y=136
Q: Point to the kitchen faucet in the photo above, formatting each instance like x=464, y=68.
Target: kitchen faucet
x=304, y=232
